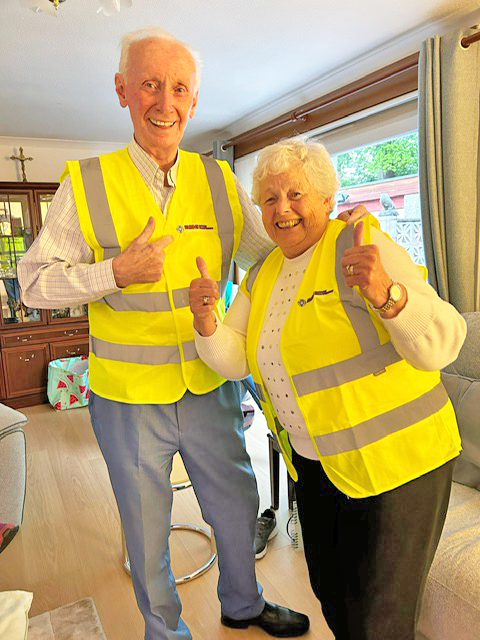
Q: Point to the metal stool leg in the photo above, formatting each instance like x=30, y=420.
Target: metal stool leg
x=189, y=576
x=180, y=480
x=126, y=560
x=274, y=460
x=291, y=491
x=213, y=548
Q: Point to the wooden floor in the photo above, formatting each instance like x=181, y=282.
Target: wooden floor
x=69, y=545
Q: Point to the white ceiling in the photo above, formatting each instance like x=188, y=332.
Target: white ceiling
x=260, y=58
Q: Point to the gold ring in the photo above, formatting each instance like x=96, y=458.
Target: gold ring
x=349, y=269
x=206, y=300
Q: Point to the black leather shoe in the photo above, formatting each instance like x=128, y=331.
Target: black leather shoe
x=276, y=620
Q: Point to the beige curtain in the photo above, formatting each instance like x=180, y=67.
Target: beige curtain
x=449, y=113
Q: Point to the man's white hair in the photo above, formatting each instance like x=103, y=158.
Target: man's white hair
x=155, y=32
x=310, y=158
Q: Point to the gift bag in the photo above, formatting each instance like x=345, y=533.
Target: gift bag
x=67, y=386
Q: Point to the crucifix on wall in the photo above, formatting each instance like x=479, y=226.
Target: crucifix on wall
x=22, y=159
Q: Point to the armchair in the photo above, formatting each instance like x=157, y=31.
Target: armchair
x=451, y=605
x=12, y=473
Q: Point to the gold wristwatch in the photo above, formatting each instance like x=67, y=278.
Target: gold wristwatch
x=395, y=293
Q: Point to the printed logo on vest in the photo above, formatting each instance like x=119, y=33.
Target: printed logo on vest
x=203, y=227
x=324, y=292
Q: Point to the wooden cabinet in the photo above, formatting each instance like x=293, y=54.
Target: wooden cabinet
x=26, y=370
x=68, y=349
x=30, y=338
x=45, y=334
x=2, y=380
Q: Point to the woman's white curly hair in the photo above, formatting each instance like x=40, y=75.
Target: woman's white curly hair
x=299, y=154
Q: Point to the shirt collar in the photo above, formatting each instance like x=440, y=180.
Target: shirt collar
x=149, y=169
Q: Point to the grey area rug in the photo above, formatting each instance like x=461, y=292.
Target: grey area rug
x=75, y=621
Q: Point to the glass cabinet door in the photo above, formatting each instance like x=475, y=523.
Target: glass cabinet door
x=74, y=313
x=44, y=201
x=15, y=238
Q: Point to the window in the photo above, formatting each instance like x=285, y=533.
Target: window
x=384, y=177
x=376, y=155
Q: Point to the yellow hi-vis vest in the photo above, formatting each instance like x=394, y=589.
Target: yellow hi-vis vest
x=142, y=347
x=376, y=422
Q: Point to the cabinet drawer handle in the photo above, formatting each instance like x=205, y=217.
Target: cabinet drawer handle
x=27, y=359
x=71, y=333
x=72, y=353
x=24, y=339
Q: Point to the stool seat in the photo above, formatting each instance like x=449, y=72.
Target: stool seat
x=179, y=480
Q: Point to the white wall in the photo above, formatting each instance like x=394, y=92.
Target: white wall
x=48, y=155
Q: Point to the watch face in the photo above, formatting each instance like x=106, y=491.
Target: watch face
x=395, y=292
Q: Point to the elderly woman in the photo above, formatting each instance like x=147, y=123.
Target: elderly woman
x=344, y=340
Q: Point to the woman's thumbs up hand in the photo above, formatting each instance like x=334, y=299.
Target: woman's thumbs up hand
x=203, y=297
x=362, y=267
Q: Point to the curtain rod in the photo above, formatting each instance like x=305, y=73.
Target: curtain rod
x=300, y=114
x=468, y=40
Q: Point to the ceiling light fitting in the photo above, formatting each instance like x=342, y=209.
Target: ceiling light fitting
x=107, y=7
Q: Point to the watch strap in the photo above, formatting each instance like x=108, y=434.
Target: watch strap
x=389, y=303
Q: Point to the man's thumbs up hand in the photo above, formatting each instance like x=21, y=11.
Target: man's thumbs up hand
x=142, y=261
x=203, y=296
x=146, y=234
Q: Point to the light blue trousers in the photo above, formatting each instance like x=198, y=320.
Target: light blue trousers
x=138, y=443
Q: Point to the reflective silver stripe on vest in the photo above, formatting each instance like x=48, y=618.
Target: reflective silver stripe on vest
x=98, y=207
x=383, y=425
x=260, y=392
x=136, y=354
x=158, y=301
x=142, y=354
x=223, y=214
x=189, y=351
x=181, y=296
x=252, y=274
x=119, y=301
x=339, y=373
x=111, y=252
x=357, y=313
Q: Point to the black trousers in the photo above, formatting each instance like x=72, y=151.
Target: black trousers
x=369, y=558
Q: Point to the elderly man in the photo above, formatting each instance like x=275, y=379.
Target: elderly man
x=122, y=234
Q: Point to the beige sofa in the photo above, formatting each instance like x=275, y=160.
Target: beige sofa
x=451, y=606
x=12, y=472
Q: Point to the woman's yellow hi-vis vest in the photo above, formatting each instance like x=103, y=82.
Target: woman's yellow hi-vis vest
x=142, y=347
x=376, y=422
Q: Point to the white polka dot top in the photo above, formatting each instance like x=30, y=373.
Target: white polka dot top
x=273, y=371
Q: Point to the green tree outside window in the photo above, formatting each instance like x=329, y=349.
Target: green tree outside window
x=377, y=162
